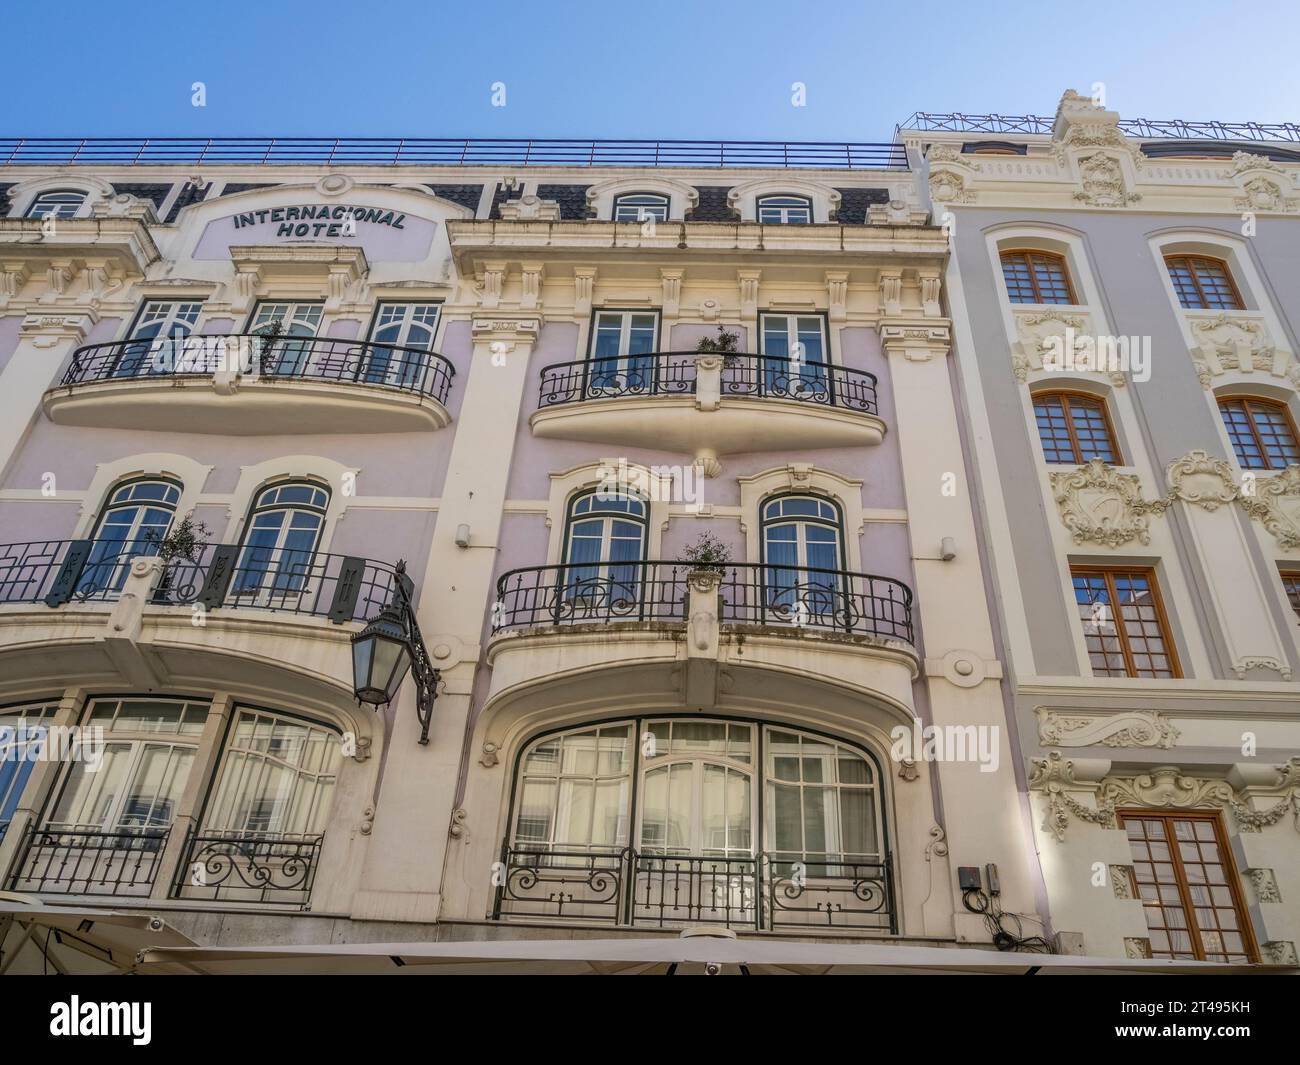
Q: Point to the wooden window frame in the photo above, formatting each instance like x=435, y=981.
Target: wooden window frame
x=1248, y=398
x=1033, y=281
x=1191, y=259
x=1228, y=861
x=1290, y=573
x=1166, y=631
x=1117, y=456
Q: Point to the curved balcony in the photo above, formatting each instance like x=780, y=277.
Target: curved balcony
x=820, y=600
x=245, y=384
x=708, y=404
x=112, y=612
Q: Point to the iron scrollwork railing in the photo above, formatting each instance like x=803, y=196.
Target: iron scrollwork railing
x=342, y=588
x=747, y=892
x=413, y=370
x=674, y=373
x=244, y=867
x=89, y=861
x=749, y=593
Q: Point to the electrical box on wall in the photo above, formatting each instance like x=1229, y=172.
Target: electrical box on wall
x=968, y=877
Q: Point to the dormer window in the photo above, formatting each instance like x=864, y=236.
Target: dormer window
x=784, y=210
x=640, y=207
x=60, y=203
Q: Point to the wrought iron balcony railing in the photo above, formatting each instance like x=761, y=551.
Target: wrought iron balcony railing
x=1172, y=128
x=749, y=593
x=248, y=867
x=220, y=576
x=673, y=373
x=89, y=861
x=630, y=887
x=424, y=373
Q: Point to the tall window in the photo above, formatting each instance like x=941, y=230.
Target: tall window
x=803, y=557
x=20, y=745
x=640, y=206
x=159, y=321
x=148, y=750
x=401, y=326
x=60, y=203
x=1124, y=624
x=277, y=778
x=1074, y=428
x=784, y=210
x=794, y=353
x=134, y=521
x=280, y=540
x=701, y=790
x=1036, y=277
x=1184, y=874
x=288, y=357
x=1202, y=282
x=1262, y=433
x=605, y=539
x=621, y=345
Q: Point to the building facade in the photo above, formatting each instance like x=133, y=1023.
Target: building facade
x=1123, y=299
x=715, y=489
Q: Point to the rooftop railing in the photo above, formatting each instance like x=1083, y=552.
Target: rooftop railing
x=447, y=151
x=1173, y=128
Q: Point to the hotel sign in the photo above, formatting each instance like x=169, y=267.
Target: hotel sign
x=384, y=233
x=319, y=220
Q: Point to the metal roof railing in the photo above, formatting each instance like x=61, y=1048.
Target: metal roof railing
x=1173, y=129
x=438, y=151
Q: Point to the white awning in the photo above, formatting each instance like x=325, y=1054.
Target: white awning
x=649, y=956
x=37, y=938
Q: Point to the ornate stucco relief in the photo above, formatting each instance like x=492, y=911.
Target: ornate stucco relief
x=1099, y=505
x=1131, y=728
x=1275, y=503
x=1161, y=788
x=1233, y=342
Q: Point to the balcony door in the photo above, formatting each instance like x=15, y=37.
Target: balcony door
x=286, y=357
x=795, y=355
x=277, y=562
x=622, y=343
x=134, y=522
x=604, y=546
x=803, y=556
x=397, y=326
x=152, y=348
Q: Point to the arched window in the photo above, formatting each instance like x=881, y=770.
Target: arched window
x=287, y=357
x=157, y=322
x=1262, y=433
x=604, y=541
x=1036, y=277
x=1203, y=283
x=783, y=210
x=400, y=327
x=58, y=203
x=1074, y=428
x=278, y=557
x=640, y=206
x=803, y=556
x=673, y=819
x=134, y=521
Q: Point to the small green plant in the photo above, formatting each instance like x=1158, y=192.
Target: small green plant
x=267, y=341
x=184, y=541
x=707, y=553
x=725, y=344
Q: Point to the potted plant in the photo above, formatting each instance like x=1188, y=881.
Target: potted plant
x=267, y=340
x=725, y=344
x=707, y=555
x=184, y=541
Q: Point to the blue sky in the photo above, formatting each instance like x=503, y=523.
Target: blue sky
x=720, y=69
